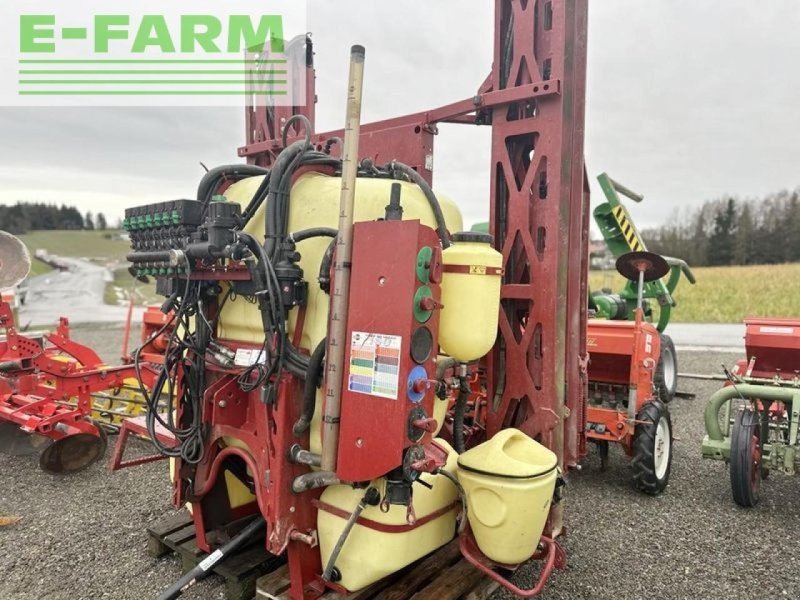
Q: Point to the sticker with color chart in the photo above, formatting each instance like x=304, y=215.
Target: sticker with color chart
x=374, y=364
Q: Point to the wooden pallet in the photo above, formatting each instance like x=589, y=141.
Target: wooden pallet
x=176, y=533
x=442, y=575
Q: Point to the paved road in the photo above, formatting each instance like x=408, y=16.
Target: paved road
x=716, y=336
x=76, y=294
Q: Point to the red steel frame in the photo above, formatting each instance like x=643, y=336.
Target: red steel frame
x=534, y=100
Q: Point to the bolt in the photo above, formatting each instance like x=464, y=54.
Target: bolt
x=223, y=403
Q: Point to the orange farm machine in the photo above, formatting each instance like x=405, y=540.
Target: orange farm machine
x=331, y=320
x=623, y=407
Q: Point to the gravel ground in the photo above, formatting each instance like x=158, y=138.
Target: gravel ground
x=84, y=537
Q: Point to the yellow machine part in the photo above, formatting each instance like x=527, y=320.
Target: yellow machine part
x=628, y=229
x=509, y=481
x=369, y=555
x=471, y=299
x=114, y=405
x=315, y=203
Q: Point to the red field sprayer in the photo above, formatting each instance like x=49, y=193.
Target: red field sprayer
x=329, y=306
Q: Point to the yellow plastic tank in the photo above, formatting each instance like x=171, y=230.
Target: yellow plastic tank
x=470, y=295
x=509, y=482
x=315, y=203
x=369, y=555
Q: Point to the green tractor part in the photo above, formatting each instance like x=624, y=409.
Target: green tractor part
x=751, y=438
x=622, y=237
x=753, y=423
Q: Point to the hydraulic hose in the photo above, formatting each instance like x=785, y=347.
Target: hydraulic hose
x=202, y=569
x=459, y=411
x=462, y=523
x=211, y=180
x=324, y=277
x=307, y=234
x=314, y=480
x=396, y=168
x=371, y=497
x=313, y=378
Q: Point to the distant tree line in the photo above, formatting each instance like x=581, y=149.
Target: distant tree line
x=24, y=217
x=730, y=231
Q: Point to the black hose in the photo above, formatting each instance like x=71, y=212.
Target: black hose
x=313, y=376
x=396, y=168
x=201, y=571
x=212, y=179
x=462, y=522
x=307, y=234
x=459, y=412
x=371, y=497
x=324, y=276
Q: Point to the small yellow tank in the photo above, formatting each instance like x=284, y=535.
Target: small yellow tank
x=509, y=482
x=369, y=555
x=470, y=296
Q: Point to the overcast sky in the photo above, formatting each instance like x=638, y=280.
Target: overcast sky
x=688, y=100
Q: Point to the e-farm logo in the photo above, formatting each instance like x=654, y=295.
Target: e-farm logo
x=37, y=33
x=74, y=57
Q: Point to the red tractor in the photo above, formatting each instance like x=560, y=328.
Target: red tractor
x=623, y=406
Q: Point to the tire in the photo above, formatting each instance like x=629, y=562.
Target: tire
x=666, y=377
x=746, y=472
x=652, y=448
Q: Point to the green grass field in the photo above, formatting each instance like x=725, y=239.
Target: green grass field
x=727, y=294
x=721, y=295
x=82, y=244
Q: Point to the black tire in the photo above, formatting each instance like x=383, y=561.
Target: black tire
x=746, y=473
x=666, y=376
x=651, y=448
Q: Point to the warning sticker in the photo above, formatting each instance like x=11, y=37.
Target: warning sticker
x=374, y=364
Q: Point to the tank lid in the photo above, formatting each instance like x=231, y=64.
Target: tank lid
x=510, y=454
x=473, y=236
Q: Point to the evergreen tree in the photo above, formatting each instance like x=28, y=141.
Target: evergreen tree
x=88, y=222
x=743, y=243
x=101, y=222
x=721, y=243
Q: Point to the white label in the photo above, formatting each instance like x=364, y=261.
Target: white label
x=210, y=560
x=374, y=364
x=781, y=330
x=247, y=357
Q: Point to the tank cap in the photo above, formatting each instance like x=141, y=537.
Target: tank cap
x=474, y=237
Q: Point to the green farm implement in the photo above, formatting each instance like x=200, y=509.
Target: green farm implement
x=622, y=237
x=752, y=422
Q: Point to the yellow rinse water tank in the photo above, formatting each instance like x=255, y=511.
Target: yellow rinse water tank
x=470, y=296
x=509, y=482
x=370, y=554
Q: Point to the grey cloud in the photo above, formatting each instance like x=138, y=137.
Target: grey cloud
x=687, y=100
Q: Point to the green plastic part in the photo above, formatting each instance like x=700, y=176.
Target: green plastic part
x=424, y=264
x=219, y=198
x=420, y=314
